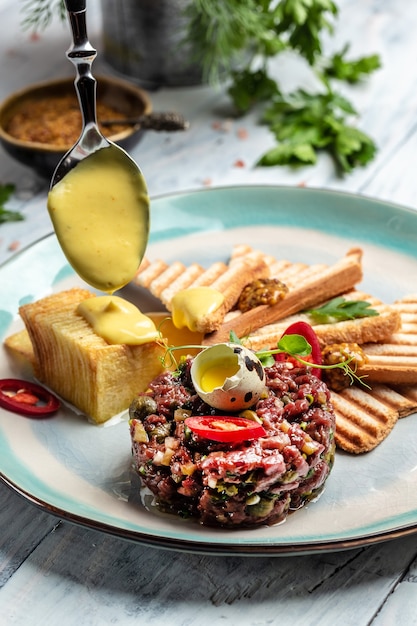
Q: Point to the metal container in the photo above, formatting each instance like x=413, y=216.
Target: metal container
x=144, y=41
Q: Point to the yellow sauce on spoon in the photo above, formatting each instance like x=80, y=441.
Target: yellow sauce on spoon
x=100, y=213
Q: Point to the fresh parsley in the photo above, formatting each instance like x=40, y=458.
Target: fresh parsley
x=236, y=39
x=350, y=71
x=304, y=124
x=5, y=214
x=339, y=309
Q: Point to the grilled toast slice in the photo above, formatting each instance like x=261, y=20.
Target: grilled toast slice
x=308, y=286
x=164, y=281
x=98, y=378
x=394, y=361
x=365, y=417
x=361, y=330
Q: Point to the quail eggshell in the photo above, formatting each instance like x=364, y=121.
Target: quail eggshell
x=237, y=372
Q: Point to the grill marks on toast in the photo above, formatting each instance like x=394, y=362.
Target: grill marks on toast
x=164, y=281
x=364, y=417
x=393, y=364
x=309, y=286
x=359, y=331
x=362, y=420
x=394, y=361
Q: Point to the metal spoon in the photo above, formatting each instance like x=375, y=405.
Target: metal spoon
x=91, y=145
x=165, y=121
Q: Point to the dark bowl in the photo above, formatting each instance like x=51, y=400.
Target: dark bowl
x=43, y=152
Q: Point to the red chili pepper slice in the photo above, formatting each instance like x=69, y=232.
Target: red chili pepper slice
x=306, y=331
x=224, y=428
x=26, y=398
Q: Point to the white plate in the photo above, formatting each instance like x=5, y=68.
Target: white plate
x=81, y=472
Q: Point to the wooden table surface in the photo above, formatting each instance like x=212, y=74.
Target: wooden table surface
x=56, y=572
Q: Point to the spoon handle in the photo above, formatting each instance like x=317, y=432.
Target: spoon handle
x=82, y=55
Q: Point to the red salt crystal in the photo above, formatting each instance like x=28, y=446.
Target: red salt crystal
x=15, y=245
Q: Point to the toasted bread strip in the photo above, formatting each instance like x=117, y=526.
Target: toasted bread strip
x=182, y=281
x=19, y=346
x=395, y=361
x=292, y=274
x=289, y=273
x=207, y=278
x=364, y=417
x=230, y=284
x=164, y=281
x=148, y=272
x=409, y=393
x=315, y=287
x=361, y=330
x=166, y=278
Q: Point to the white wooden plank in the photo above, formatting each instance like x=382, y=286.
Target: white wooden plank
x=77, y=572
x=400, y=606
x=22, y=528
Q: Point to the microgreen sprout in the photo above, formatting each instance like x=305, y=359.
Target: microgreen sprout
x=168, y=360
x=298, y=347
x=293, y=345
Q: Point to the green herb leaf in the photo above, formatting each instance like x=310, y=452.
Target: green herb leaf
x=249, y=88
x=303, y=22
x=233, y=338
x=6, y=215
x=294, y=345
x=289, y=154
x=340, y=309
x=266, y=359
x=351, y=71
x=304, y=123
x=39, y=13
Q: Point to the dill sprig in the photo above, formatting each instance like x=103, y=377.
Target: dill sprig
x=38, y=14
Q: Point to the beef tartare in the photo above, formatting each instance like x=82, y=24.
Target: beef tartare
x=243, y=480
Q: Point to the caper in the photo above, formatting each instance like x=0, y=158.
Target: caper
x=160, y=431
x=141, y=407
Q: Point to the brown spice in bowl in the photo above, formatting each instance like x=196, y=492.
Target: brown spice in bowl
x=57, y=121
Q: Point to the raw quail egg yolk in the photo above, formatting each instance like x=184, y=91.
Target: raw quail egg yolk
x=215, y=375
x=228, y=377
